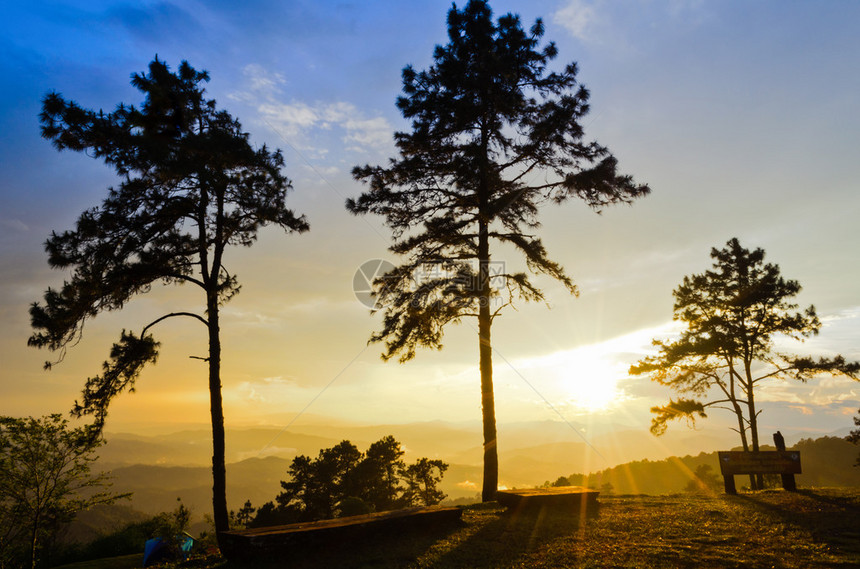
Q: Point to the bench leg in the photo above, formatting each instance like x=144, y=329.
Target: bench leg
x=788, y=482
x=729, y=482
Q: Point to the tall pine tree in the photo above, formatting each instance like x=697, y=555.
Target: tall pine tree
x=191, y=186
x=495, y=134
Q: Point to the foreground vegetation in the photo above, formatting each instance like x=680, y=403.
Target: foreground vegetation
x=773, y=528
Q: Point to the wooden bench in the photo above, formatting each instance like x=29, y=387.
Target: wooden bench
x=783, y=462
x=284, y=542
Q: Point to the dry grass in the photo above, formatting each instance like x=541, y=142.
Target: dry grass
x=765, y=529
x=808, y=529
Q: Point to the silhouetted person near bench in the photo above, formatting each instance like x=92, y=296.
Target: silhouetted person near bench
x=787, y=479
x=778, y=441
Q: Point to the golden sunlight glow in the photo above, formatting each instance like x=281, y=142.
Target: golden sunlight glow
x=589, y=380
x=584, y=378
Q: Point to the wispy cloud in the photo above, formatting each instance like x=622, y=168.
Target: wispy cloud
x=579, y=17
x=606, y=24
x=299, y=121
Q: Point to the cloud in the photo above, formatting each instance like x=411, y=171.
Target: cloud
x=254, y=396
x=246, y=317
x=579, y=17
x=278, y=380
x=368, y=133
x=823, y=391
x=617, y=25
x=262, y=81
x=290, y=119
x=298, y=122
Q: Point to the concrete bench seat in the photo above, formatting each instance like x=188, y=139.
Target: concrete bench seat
x=574, y=498
x=283, y=542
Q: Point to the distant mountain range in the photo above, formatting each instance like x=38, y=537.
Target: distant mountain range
x=178, y=467
x=158, y=469
x=452, y=442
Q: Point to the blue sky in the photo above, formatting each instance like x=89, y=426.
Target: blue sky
x=742, y=117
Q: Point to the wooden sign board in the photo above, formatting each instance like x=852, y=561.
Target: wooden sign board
x=762, y=462
x=786, y=463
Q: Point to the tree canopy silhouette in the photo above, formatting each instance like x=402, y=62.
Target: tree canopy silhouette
x=343, y=481
x=495, y=134
x=732, y=314
x=191, y=185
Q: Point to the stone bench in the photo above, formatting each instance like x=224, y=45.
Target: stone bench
x=561, y=498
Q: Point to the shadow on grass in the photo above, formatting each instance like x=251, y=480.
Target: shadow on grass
x=831, y=518
x=502, y=538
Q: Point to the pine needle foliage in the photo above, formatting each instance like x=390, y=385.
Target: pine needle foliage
x=191, y=187
x=732, y=315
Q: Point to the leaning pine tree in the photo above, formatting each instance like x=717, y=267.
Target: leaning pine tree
x=495, y=135
x=191, y=186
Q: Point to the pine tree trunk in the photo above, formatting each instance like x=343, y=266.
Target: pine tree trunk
x=744, y=443
x=219, y=469
x=488, y=401
x=739, y=413
x=488, y=406
x=759, y=478
x=34, y=542
x=758, y=484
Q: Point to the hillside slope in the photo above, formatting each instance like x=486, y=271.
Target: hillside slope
x=826, y=462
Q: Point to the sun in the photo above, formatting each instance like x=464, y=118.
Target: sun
x=585, y=379
x=590, y=380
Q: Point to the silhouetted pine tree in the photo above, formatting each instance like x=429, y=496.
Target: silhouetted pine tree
x=191, y=186
x=495, y=134
x=732, y=314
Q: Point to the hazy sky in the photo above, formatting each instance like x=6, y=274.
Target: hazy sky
x=743, y=117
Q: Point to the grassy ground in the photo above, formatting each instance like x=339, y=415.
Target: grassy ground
x=808, y=529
